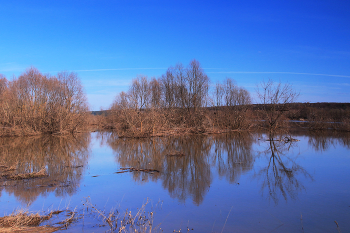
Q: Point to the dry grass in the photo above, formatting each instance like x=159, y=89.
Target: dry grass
x=24, y=221
x=43, y=229
x=41, y=173
x=173, y=122
x=22, y=218
x=70, y=218
x=5, y=168
x=123, y=222
x=175, y=153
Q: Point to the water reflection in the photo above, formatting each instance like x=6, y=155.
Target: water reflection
x=233, y=154
x=63, y=158
x=282, y=175
x=185, y=163
x=323, y=140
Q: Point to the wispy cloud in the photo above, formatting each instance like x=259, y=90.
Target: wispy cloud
x=120, y=69
x=11, y=67
x=258, y=72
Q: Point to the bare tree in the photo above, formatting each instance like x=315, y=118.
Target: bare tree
x=180, y=75
x=233, y=113
x=219, y=93
x=197, y=86
x=169, y=87
x=73, y=100
x=139, y=93
x=274, y=98
x=121, y=101
x=156, y=93
x=230, y=92
x=243, y=97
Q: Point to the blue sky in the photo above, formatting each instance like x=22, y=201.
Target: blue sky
x=108, y=43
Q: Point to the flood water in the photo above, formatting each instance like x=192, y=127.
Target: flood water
x=237, y=182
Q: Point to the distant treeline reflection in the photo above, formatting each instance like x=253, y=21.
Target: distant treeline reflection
x=186, y=163
x=324, y=140
x=63, y=159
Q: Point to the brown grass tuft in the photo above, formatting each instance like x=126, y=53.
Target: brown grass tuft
x=41, y=173
x=24, y=221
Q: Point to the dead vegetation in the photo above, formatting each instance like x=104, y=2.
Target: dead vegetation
x=9, y=173
x=126, y=221
x=175, y=154
x=132, y=169
x=25, y=221
x=32, y=175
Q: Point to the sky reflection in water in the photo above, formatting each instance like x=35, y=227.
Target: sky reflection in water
x=254, y=184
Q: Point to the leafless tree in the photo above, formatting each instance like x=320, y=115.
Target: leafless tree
x=274, y=98
x=233, y=101
x=179, y=72
x=229, y=94
x=156, y=93
x=197, y=86
x=169, y=88
x=235, y=95
x=121, y=101
x=244, y=97
x=139, y=93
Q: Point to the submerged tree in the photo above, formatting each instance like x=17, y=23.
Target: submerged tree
x=274, y=98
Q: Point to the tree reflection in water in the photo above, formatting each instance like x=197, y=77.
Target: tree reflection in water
x=233, y=154
x=323, y=140
x=64, y=159
x=185, y=162
x=281, y=175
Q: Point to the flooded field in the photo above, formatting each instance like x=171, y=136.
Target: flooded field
x=236, y=182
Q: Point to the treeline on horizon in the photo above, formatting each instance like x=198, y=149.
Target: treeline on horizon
x=180, y=101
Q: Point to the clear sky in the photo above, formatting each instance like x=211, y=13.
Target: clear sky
x=108, y=43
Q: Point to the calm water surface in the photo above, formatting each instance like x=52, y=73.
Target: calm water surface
x=221, y=183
